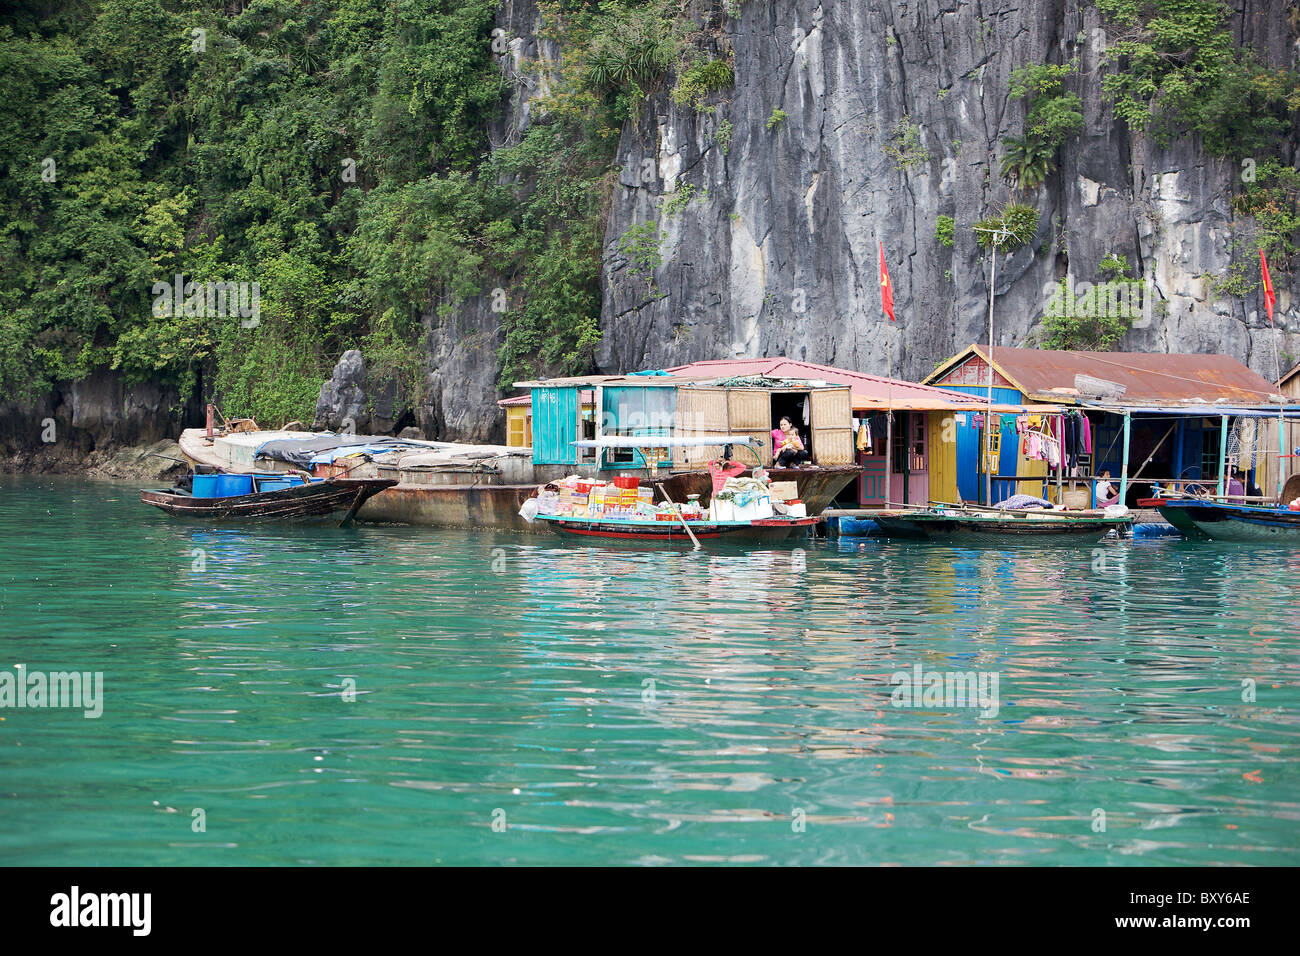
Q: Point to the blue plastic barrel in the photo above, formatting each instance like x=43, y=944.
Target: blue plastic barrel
x=230, y=485
x=205, y=486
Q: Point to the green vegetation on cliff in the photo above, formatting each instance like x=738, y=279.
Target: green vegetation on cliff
x=336, y=154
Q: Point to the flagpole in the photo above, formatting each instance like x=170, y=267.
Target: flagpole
x=999, y=236
x=1281, y=415
x=887, y=306
x=889, y=417
x=1277, y=365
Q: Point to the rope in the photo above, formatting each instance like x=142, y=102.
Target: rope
x=1181, y=378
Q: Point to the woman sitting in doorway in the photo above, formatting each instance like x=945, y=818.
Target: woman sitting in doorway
x=787, y=447
x=1107, y=494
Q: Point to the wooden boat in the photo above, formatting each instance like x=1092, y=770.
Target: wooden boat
x=776, y=528
x=304, y=501
x=1227, y=521
x=992, y=523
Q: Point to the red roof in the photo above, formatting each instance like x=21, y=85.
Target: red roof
x=863, y=385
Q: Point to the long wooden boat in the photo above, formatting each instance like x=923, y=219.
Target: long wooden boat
x=304, y=501
x=968, y=523
x=1224, y=521
x=669, y=532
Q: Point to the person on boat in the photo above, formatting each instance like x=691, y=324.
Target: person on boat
x=1107, y=494
x=721, y=470
x=787, y=447
x=1236, y=490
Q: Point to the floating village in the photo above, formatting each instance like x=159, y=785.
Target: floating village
x=1001, y=444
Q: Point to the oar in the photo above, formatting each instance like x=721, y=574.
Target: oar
x=356, y=504
x=673, y=505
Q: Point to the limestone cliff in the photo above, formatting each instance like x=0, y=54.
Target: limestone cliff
x=775, y=249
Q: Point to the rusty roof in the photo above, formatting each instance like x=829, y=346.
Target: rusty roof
x=1148, y=378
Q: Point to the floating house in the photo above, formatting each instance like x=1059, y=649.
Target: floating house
x=896, y=436
x=1154, y=421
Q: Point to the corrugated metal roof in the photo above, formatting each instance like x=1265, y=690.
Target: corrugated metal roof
x=1163, y=379
x=868, y=390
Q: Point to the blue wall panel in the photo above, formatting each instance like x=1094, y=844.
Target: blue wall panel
x=555, y=426
x=970, y=480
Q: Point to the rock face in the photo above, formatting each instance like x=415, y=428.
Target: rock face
x=771, y=207
x=97, y=416
x=771, y=225
x=773, y=249
x=342, y=402
x=360, y=400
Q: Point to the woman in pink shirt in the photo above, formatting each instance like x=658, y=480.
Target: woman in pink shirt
x=721, y=470
x=787, y=447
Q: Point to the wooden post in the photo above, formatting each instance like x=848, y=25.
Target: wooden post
x=1178, y=452
x=1060, y=459
x=598, y=414
x=1223, y=454
x=1123, y=481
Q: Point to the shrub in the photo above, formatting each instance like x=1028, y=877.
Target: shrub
x=1017, y=220
x=945, y=230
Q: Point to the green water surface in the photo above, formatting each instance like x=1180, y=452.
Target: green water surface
x=612, y=705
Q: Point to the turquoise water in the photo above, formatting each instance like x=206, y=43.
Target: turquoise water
x=614, y=705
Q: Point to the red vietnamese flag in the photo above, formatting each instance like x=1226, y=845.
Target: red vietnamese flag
x=886, y=290
x=1269, y=297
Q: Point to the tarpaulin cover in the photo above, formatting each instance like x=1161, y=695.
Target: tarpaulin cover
x=301, y=452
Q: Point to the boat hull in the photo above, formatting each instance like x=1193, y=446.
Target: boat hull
x=304, y=501
x=1227, y=522
x=1177, y=517
x=671, y=532
x=979, y=527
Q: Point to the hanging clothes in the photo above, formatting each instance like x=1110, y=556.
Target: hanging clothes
x=1053, y=450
